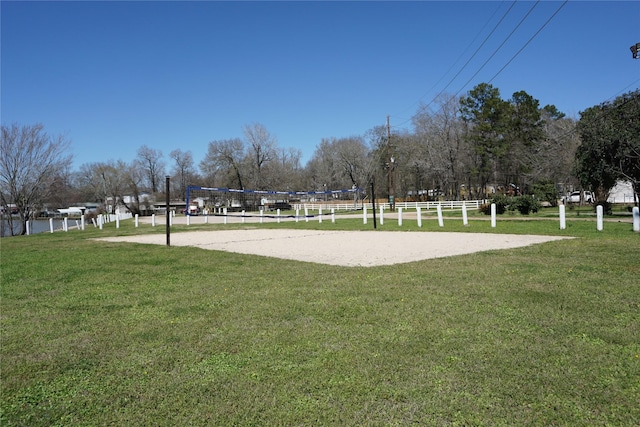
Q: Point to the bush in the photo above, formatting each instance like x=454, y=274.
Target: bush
x=525, y=204
x=546, y=190
x=502, y=203
x=606, y=207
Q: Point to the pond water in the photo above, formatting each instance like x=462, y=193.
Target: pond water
x=37, y=226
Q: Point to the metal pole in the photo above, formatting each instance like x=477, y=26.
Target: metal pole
x=168, y=200
x=373, y=204
x=389, y=166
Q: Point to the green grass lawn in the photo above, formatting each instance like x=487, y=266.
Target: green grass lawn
x=120, y=334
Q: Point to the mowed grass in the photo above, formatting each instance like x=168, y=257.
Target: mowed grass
x=97, y=333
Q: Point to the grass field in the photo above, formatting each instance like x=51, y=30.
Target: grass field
x=120, y=334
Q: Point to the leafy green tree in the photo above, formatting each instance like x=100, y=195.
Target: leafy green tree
x=625, y=117
x=524, y=133
x=486, y=113
x=610, y=145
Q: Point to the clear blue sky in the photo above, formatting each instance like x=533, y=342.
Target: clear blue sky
x=113, y=76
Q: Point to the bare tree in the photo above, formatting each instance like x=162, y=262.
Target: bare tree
x=285, y=172
x=132, y=179
x=150, y=160
x=222, y=165
x=442, y=148
x=261, y=151
x=183, y=170
x=30, y=159
x=109, y=181
x=353, y=161
x=340, y=163
x=321, y=170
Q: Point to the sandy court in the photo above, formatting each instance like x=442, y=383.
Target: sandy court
x=343, y=248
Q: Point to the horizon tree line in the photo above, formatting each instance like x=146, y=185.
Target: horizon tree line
x=466, y=147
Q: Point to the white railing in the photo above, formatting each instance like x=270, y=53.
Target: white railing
x=447, y=204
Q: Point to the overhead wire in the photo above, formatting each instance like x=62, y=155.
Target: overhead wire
x=495, y=52
x=498, y=48
x=465, y=51
x=529, y=41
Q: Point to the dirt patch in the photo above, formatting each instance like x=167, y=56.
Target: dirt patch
x=343, y=248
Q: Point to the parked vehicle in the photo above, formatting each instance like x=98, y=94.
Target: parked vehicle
x=574, y=197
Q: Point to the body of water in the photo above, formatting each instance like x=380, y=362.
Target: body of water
x=37, y=226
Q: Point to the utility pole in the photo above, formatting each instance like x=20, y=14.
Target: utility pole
x=390, y=160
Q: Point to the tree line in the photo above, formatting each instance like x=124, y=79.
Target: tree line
x=466, y=147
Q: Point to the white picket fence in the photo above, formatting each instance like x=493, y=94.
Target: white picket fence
x=448, y=204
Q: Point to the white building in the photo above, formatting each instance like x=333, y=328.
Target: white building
x=622, y=192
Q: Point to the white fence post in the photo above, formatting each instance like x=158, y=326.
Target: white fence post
x=224, y=213
x=399, y=217
x=333, y=215
x=364, y=214
x=51, y=224
x=440, y=220
x=636, y=219
x=297, y=214
x=320, y=215
x=563, y=219
x=465, y=219
x=419, y=215
x=153, y=220
x=599, y=214
x=306, y=214
x=243, y=219
x=66, y=224
x=381, y=215
x=493, y=215
x=278, y=215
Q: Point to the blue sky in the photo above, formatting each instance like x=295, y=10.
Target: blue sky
x=113, y=76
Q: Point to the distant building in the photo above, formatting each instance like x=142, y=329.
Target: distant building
x=622, y=192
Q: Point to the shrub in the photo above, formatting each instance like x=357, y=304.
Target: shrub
x=523, y=204
x=501, y=201
x=606, y=207
x=526, y=204
x=546, y=190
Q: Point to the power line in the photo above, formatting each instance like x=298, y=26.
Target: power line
x=477, y=50
x=529, y=41
x=465, y=51
x=499, y=47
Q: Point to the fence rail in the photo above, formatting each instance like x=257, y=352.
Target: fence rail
x=448, y=204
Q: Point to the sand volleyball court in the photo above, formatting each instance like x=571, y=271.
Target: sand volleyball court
x=342, y=248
